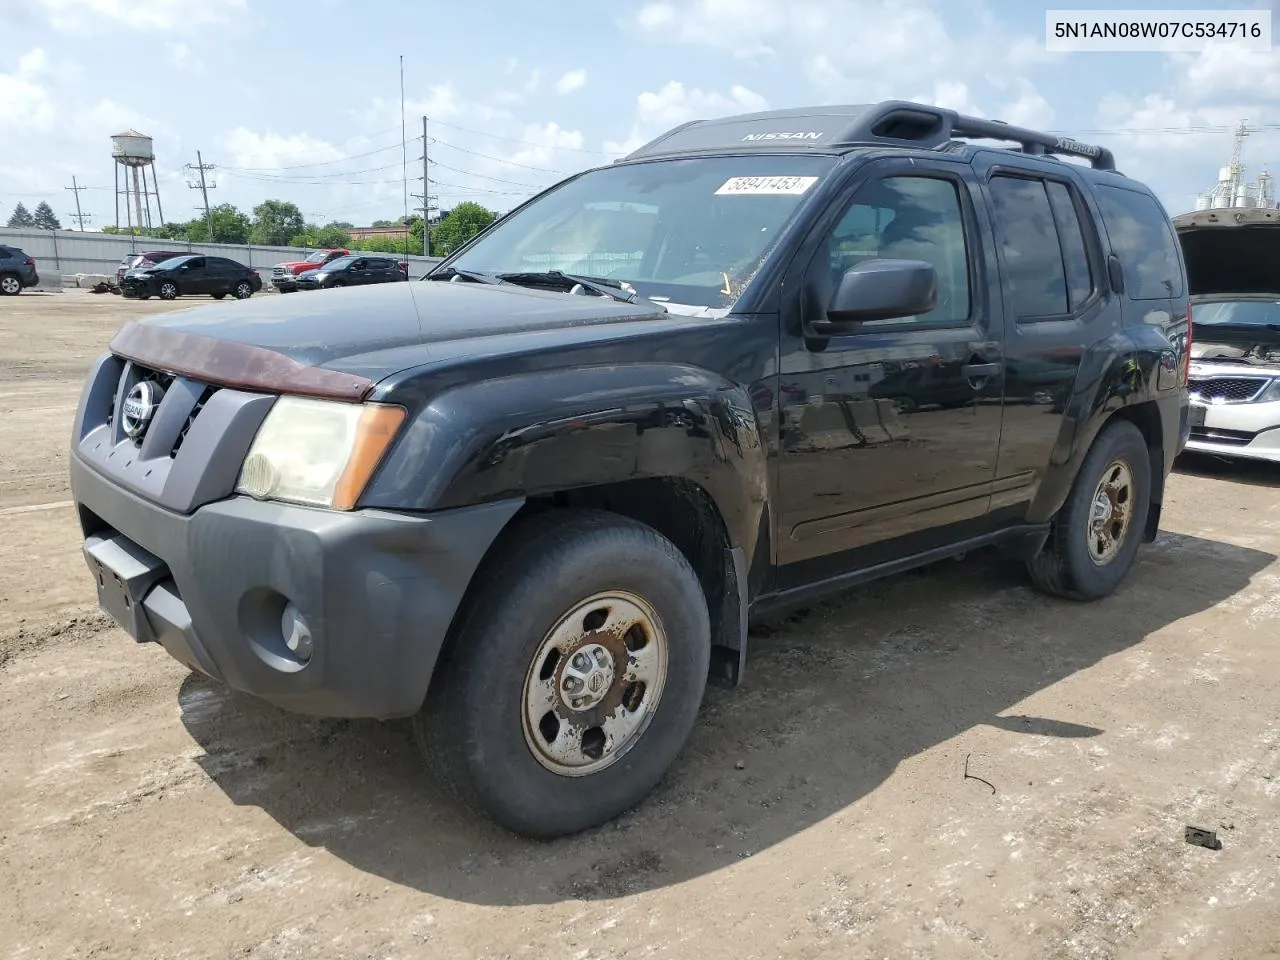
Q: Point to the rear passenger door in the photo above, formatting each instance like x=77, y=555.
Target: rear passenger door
x=1056, y=302
x=382, y=271
x=222, y=274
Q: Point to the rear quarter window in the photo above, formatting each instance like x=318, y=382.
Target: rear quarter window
x=1142, y=237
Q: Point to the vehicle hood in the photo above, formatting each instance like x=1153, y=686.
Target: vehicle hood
x=1231, y=251
x=377, y=330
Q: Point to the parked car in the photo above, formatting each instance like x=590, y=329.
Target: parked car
x=1233, y=262
x=193, y=275
x=142, y=261
x=17, y=271
x=284, y=276
x=534, y=500
x=355, y=270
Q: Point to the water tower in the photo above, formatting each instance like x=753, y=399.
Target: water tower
x=134, y=156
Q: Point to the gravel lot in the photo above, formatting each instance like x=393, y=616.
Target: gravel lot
x=819, y=811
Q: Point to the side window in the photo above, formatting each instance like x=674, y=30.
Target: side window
x=1075, y=252
x=1035, y=278
x=1143, y=240
x=903, y=218
x=196, y=263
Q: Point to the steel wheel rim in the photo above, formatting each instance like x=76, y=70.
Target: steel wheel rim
x=1110, y=511
x=594, y=683
x=10, y=285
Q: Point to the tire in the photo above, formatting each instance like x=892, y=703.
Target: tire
x=477, y=731
x=244, y=290
x=168, y=290
x=338, y=283
x=10, y=285
x=1069, y=565
x=218, y=296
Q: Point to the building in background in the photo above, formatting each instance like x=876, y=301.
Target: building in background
x=1232, y=189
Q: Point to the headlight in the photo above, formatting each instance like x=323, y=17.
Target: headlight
x=318, y=452
x=320, y=276
x=1272, y=392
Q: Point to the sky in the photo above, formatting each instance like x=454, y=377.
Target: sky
x=302, y=101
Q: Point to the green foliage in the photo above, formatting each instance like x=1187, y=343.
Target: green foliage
x=276, y=222
x=463, y=222
x=228, y=223
x=384, y=245
x=44, y=218
x=21, y=217
x=330, y=236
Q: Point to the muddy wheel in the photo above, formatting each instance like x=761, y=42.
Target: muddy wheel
x=1096, y=534
x=168, y=290
x=575, y=675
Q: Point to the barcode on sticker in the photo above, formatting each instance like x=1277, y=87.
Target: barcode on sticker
x=791, y=186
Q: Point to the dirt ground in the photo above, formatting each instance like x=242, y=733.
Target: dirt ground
x=819, y=811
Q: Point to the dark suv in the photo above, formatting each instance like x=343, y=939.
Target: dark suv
x=352, y=271
x=534, y=500
x=17, y=271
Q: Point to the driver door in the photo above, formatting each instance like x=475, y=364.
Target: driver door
x=889, y=433
x=193, y=276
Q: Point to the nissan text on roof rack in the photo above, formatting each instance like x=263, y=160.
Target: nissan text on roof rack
x=534, y=500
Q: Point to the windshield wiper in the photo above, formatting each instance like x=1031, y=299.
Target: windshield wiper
x=597, y=286
x=474, y=275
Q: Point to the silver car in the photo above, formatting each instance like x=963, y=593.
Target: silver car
x=1233, y=265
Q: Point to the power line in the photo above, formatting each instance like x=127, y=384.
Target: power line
x=530, y=143
x=485, y=176
x=325, y=163
x=512, y=163
x=201, y=167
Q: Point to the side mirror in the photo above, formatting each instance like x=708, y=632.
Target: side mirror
x=879, y=290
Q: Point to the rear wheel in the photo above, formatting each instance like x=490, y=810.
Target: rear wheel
x=575, y=676
x=168, y=290
x=10, y=285
x=244, y=290
x=1096, y=534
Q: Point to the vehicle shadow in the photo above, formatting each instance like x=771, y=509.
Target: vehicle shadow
x=1256, y=473
x=834, y=700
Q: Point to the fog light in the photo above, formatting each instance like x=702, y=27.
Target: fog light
x=297, y=634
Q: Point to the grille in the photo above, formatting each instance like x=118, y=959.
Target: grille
x=191, y=418
x=1236, y=438
x=166, y=382
x=1228, y=389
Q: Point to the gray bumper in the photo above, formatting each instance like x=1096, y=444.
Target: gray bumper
x=378, y=590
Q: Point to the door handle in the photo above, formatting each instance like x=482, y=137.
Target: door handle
x=975, y=371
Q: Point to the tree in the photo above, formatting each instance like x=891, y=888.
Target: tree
x=228, y=223
x=381, y=245
x=463, y=222
x=382, y=223
x=276, y=222
x=330, y=236
x=45, y=218
x=21, y=217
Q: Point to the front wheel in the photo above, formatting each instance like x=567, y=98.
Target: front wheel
x=244, y=290
x=218, y=296
x=1096, y=534
x=168, y=290
x=575, y=676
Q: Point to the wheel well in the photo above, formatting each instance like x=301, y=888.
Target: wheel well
x=685, y=514
x=1146, y=417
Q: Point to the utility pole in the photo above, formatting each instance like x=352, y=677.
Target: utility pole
x=426, y=193
x=201, y=167
x=76, y=188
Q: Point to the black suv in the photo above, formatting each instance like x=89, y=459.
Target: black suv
x=192, y=275
x=534, y=500
x=17, y=271
x=352, y=271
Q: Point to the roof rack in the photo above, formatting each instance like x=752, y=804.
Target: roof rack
x=890, y=123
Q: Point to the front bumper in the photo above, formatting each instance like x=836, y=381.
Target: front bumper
x=284, y=283
x=1243, y=429
x=378, y=590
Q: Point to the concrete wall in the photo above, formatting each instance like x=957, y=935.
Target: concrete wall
x=60, y=253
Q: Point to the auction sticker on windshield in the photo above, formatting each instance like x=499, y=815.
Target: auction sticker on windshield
x=772, y=186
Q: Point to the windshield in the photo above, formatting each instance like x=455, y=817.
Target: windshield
x=689, y=231
x=1244, y=313
x=317, y=257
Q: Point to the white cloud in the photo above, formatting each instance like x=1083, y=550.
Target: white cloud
x=26, y=106
x=522, y=92
x=158, y=15
x=182, y=59
x=673, y=104
x=271, y=151
x=571, y=81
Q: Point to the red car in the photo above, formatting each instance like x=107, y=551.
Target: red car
x=284, y=276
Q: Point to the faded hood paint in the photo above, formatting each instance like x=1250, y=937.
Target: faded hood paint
x=333, y=328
